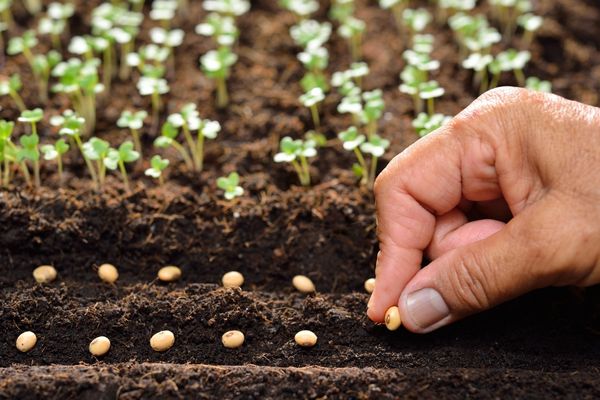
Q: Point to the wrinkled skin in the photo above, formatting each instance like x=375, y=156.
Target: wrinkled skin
x=528, y=164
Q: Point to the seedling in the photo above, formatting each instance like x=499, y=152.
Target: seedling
x=6, y=16
x=154, y=87
x=55, y=152
x=29, y=143
x=163, y=11
x=230, y=185
x=168, y=139
x=376, y=147
x=507, y=11
x=42, y=66
x=11, y=87
x=425, y=123
x=310, y=34
x=311, y=100
x=297, y=152
x=23, y=45
x=352, y=29
x=188, y=119
x=157, y=167
x=169, y=40
x=479, y=63
x=412, y=78
x=7, y=151
x=56, y=21
x=397, y=7
x=423, y=43
x=535, y=83
x=134, y=121
x=231, y=8
x=216, y=64
x=415, y=20
x=301, y=8
x=117, y=158
x=221, y=28
x=372, y=110
x=530, y=24
x=315, y=60
x=512, y=60
x=96, y=149
x=353, y=141
x=448, y=8
x=429, y=91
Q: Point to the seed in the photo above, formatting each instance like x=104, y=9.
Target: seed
x=303, y=284
x=233, y=279
x=44, y=274
x=108, y=273
x=370, y=285
x=392, y=318
x=162, y=341
x=232, y=339
x=99, y=346
x=169, y=273
x=306, y=338
x=26, y=341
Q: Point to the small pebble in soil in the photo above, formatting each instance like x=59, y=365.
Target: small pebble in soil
x=162, y=341
x=233, y=279
x=392, y=318
x=26, y=341
x=370, y=285
x=99, y=346
x=303, y=284
x=306, y=338
x=169, y=273
x=108, y=273
x=232, y=339
x=44, y=274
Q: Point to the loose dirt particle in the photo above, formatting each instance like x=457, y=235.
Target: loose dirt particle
x=169, y=273
x=232, y=339
x=370, y=285
x=392, y=318
x=162, y=341
x=26, y=341
x=306, y=338
x=233, y=279
x=303, y=284
x=108, y=273
x=99, y=346
x=44, y=274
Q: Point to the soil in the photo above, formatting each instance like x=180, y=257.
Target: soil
x=543, y=345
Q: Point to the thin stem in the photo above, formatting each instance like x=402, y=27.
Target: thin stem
x=136, y=141
x=222, y=96
x=26, y=173
x=6, y=172
x=298, y=171
x=155, y=110
x=190, y=142
x=305, y=170
x=36, y=173
x=161, y=180
x=495, y=80
x=520, y=77
x=107, y=72
x=361, y=161
x=88, y=162
x=60, y=170
x=314, y=112
x=124, y=174
x=372, y=128
x=200, y=152
x=18, y=100
x=430, y=108
x=184, y=154
x=373, y=170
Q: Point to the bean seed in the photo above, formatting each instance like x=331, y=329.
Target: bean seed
x=370, y=285
x=108, y=273
x=233, y=279
x=392, y=318
x=303, y=284
x=232, y=339
x=44, y=274
x=169, y=273
x=99, y=346
x=162, y=341
x=306, y=338
x=26, y=341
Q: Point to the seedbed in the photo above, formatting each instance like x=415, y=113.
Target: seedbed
x=544, y=345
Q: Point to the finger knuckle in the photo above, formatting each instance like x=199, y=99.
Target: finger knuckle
x=469, y=280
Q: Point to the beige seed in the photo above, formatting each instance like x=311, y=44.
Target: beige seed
x=100, y=346
x=169, y=273
x=232, y=339
x=44, y=274
x=392, y=318
x=306, y=338
x=108, y=273
x=233, y=279
x=162, y=341
x=303, y=284
x=370, y=285
x=26, y=341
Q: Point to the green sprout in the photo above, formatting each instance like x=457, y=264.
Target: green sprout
x=134, y=121
x=425, y=123
x=11, y=87
x=352, y=29
x=311, y=100
x=154, y=87
x=231, y=8
x=473, y=33
x=55, y=22
x=530, y=24
x=448, y=8
x=55, y=152
x=376, y=147
x=216, y=64
x=118, y=157
x=353, y=141
x=397, y=7
x=315, y=60
x=23, y=45
x=163, y=11
x=300, y=8
x=297, y=152
x=341, y=9
x=507, y=12
x=415, y=20
x=168, y=138
x=42, y=67
x=7, y=151
x=33, y=7
x=412, y=78
x=372, y=110
x=310, y=34
x=6, y=16
x=157, y=167
x=535, y=83
x=423, y=43
x=30, y=152
x=96, y=149
x=169, y=40
x=429, y=91
x=479, y=63
x=188, y=120
x=221, y=28
x=230, y=185
x=510, y=60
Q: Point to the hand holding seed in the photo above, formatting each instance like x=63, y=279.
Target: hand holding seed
x=503, y=199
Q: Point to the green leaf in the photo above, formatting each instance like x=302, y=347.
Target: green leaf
x=31, y=116
x=127, y=153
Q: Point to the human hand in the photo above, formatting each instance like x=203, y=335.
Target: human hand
x=514, y=155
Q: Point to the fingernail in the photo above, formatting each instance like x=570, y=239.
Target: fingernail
x=426, y=307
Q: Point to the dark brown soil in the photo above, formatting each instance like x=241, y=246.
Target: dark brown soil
x=544, y=345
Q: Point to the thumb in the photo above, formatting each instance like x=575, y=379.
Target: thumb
x=524, y=255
